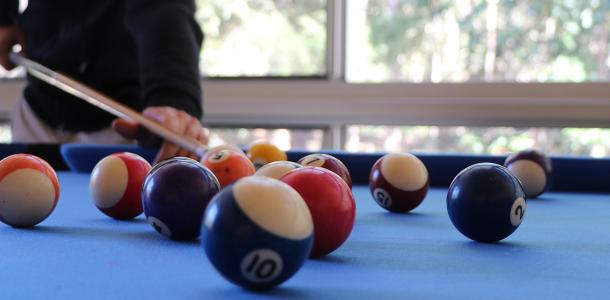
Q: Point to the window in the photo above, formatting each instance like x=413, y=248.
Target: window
x=263, y=38
x=478, y=40
x=592, y=142
x=284, y=138
x=5, y=131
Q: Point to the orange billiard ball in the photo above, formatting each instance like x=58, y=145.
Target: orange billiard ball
x=216, y=149
x=228, y=166
x=29, y=190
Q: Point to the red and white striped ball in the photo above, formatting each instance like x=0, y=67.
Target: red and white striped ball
x=116, y=183
x=29, y=190
x=399, y=182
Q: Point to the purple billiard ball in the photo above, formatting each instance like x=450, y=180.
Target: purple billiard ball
x=257, y=232
x=533, y=169
x=399, y=182
x=175, y=194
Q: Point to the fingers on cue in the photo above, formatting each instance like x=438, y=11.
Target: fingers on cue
x=193, y=130
x=180, y=122
x=168, y=149
x=204, y=135
x=126, y=128
x=186, y=125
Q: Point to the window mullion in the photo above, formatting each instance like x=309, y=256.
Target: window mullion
x=335, y=51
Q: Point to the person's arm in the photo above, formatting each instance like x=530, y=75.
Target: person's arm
x=9, y=34
x=168, y=41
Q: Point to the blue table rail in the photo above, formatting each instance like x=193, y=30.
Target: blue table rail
x=570, y=173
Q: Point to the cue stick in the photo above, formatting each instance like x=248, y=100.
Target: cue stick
x=82, y=91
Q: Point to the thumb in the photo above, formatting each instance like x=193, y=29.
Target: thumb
x=127, y=129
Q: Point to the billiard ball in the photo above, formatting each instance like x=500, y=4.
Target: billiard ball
x=331, y=203
x=29, y=190
x=533, y=169
x=486, y=202
x=399, y=182
x=174, y=196
x=228, y=166
x=327, y=162
x=116, y=185
x=213, y=150
x=263, y=152
x=257, y=232
x=277, y=169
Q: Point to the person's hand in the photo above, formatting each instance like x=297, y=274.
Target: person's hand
x=9, y=37
x=171, y=118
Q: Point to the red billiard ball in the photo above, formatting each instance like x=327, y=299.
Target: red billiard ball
x=277, y=169
x=328, y=162
x=174, y=196
x=257, y=232
x=229, y=165
x=533, y=169
x=331, y=203
x=116, y=184
x=29, y=190
x=399, y=182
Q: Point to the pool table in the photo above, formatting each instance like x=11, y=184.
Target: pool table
x=560, y=251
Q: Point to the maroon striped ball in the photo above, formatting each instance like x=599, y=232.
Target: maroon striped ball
x=328, y=162
x=399, y=182
x=533, y=169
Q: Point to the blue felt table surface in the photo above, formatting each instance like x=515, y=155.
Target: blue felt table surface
x=561, y=251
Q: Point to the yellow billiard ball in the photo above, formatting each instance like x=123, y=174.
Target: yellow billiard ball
x=263, y=152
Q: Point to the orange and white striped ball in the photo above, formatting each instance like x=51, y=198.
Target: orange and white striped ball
x=29, y=190
x=212, y=151
x=116, y=185
x=228, y=166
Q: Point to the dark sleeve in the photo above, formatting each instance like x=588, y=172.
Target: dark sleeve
x=8, y=11
x=168, y=41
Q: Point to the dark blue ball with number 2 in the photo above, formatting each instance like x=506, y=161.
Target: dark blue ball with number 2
x=486, y=203
x=257, y=232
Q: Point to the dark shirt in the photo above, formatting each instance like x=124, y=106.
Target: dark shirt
x=140, y=52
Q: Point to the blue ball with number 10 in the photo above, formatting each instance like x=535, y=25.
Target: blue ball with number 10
x=257, y=232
